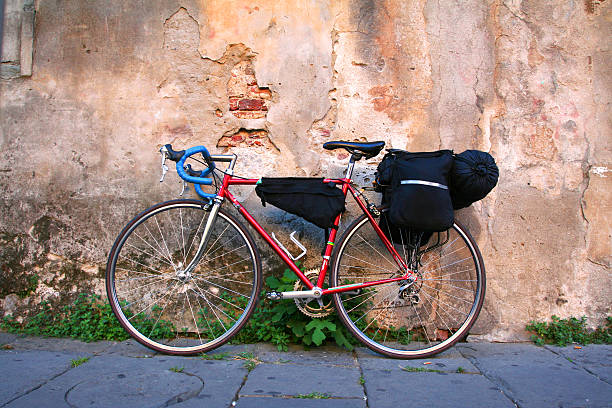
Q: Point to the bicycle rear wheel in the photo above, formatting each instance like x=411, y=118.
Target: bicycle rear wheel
x=168, y=308
x=403, y=320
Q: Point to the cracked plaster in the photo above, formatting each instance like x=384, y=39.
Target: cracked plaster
x=528, y=82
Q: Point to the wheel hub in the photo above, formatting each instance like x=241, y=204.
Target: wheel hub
x=409, y=289
x=182, y=274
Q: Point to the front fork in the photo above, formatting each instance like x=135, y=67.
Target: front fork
x=214, y=211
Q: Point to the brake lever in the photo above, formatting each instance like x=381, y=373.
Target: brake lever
x=164, y=154
x=184, y=188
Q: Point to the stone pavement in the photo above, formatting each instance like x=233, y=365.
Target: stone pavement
x=37, y=372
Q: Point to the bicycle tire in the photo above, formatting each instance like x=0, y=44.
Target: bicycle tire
x=163, y=307
x=434, y=315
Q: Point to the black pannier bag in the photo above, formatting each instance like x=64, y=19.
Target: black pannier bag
x=309, y=198
x=473, y=176
x=402, y=235
x=417, y=189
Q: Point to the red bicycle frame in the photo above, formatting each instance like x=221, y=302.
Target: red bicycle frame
x=229, y=180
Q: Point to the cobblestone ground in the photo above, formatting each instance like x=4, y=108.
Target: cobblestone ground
x=68, y=373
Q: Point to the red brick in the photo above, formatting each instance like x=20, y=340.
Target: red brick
x=252, y=105
x=233, y=103
x=238, y=137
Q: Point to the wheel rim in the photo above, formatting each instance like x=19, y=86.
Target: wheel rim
x=164, y=305
x=403, y=319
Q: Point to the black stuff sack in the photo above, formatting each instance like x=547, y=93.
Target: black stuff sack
x=419, y=197
x=473, y=176
x=309, y=198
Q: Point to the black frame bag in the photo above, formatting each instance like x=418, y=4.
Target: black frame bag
x=309, y=198
x=419, y=197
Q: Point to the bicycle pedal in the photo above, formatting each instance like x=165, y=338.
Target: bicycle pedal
x=274, y=295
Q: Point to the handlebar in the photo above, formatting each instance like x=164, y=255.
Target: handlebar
x=192, y=176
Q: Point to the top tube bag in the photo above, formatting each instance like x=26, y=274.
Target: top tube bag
x=309, y=198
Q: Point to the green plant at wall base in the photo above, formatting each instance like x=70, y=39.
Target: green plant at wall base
x=281, y=323
x=32, y=285
x=571, y=330
x=86, y=319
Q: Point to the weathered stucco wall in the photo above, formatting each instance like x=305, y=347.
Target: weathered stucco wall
x=526, y=80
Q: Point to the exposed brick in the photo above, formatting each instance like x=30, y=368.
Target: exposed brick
x=238, y=137
x=263, y=93
x=252, y=105
x=233, y=104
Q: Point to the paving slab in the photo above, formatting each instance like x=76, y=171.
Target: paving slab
x=594, y=358
x=24, y=371
x=148, y=389
x=222, y=380
x=329, y=356
x=536, y=377
x=295, y=380
x=158, y=382
x=388, y=389
x=449, y=363
x=56, y=344
x=267, y=402
x=130, y=348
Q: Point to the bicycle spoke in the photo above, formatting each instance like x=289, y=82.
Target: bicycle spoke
x=222, y=287
x=193, y=315
x=148, y=254
x=161, y=312
x=161, y=251
x=393, y=264
x=376, y=266
x=215, y=306
x=169, y=261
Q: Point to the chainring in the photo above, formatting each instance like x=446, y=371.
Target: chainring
x=316, y=308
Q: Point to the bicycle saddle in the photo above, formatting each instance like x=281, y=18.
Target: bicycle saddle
x=369, y=150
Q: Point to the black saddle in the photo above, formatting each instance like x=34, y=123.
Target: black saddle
x=368, y=150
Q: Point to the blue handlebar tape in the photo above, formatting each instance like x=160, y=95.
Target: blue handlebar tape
x=197, y=181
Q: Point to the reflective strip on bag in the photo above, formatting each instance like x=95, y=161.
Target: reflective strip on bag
x=424, y=183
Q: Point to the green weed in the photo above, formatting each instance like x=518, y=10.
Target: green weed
x=78, y=361
x=420, y=370
x=217, y=356
x=250, y=361
x=314, y=395
x=177, y=369
x=571, y=330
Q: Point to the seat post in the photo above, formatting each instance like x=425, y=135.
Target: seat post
x=350, y=167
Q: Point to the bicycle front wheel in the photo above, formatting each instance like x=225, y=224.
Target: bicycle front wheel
x=402, y=319
x=165, y=305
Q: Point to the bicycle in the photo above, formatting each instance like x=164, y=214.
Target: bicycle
x=192, y=271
